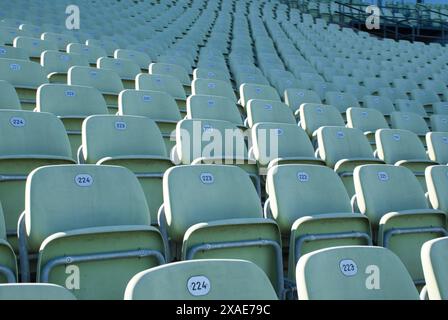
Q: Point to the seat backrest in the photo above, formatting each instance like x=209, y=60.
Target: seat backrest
x=353, y=273
x=366, y=119
x=382, y=104
x=410, y=106
x=395, y=144
x=436, y=181
x=22, y=73
x=316, y=190
x=434, y=255
x=141, y=58
x=9, y=34
x=84, y=196
x=425, y=96
x=204, y=193
x=268, y=111
x=34, y=134
x=409, y=121
x=381, y=189
x=56, y=61
x=209, y=73
x=8, y=96
x=106, y=81
x=66, y=100
x=214, y=88
x=126, y=69
x=160, y=82
x=250, y=91
x=203, y=279
x=437, y=143
x=213, y=107
x=34, y=46
x=92, y=53
x=156, y=105
x=34, y=291
x=61, y=40
x=341, y=100
x=7, y=52
x=295, y=97
x=114, y=136
x=338, y=143
x=170, y=69
x=313, y=116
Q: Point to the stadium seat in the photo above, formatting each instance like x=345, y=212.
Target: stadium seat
x=426, y=97
x=213, y=87
x=201, y=222
x=439, y=122
x=92, y=53
x=129, y=141
x=313, y=116
x=366, y=120
x=61, y=40
x=216, y=279
x=7, y=52
x=410, y=121
x=106, y=81
x=141, y=58
x=353, y=273
x=72, y=104
x=403, y=105
x=250, y=91
x=341, y=100
x=434, y=256
x=395, y=203
x=437, y=186
x=437, y=146
x=268, y=111
x=34, y=291
x=8, y=262
x=172, y=70
x=34, y=46
x=8, y=96
x=382, y=104
x=94, y=214
x=208, y=73
x=319, y=215
x=56, y=64
x=126, y=69
x=295, y=97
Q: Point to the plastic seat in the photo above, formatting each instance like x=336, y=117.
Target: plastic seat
x=341, y=100
x=268, y=111
x=353, y=273
x=61, y=40
x=255, y=91
x=173, y=70
x=410, y=106
x=434, y=257
x=8, y=262
x=94, y=214
x=437, y=186
x=382, y=104
x=56, y=64
x=209, y=73
x=141, y=58
x=8, y=96
x=313, y=116
x=126, y=69
x=439, y=122
x=426, y=97
x=410, y=121
x=366, y=120
x=34, y=46
x=216, y=279
x=7, y=52
x=34, y=291
x=92, y=53
x=295, y=97
x=213, y=87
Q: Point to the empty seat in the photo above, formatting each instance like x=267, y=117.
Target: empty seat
x=201, y=222
x=213, y=107
x=434, y=261
x=141, y=58
x=341, y=100
x=311, y=206
x=7, y=52
x=173, y=70
x=92, y=53
x=295, y=97
x=26, y=77
x=353, y=273
x=395, y=203
x=437, y=143
x=94, y=215
x=410, y=106
x=164, y=83
x=34, y=291
x=409, y=121
x=343, y=149
x=382, y=104
x=313, y=116
x=106, y=81
x=61, y=40
x=72, y=104
x=8, y=263
x=209, y=73
x=437, y=186
x=439, y=122
x=130, y=141
x=213, y=87
x=268, y=111
x=34, y=46
x=426, y=97
x=56, y=64
x=403, y=148
x=250, y=91
x=8, y=96
x=366, y=120
x=216, y=279
x=126, y=69
x=156, y=105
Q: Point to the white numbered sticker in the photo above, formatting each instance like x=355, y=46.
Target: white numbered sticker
x=303, y=176
x=120, y=125
x=147, y=98
x=198, y=286
x=211, y=85
x=396, y=137
x=84, y=180
x=17, y=122
x=348, y=267
x=268, y=107
x=207, y=178
x=15, y=66
x=340, y=134
x=70, y=93
x=383, y=176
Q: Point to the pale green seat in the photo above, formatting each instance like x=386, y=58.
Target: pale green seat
x=403, y=105
x=109, y=46
x=31, y=29
x=314, y=115
x=34, y=46
x=395, y=203
x=280, y=143
x=91, y=233
x=164, y=83
x=343, y=149
x=440, y=108
x=436, y=179
x=366, y=120
x=382, y=104
x=209, y=141
x=434, y=260
x=353, y=273
x=173, y=70
x=7, y=52
x=403, y=148
x=295, y=97
x=438, y=87
x=214, y=279
x=392, y=93
x=268, y=111
x=141, y=58
x=341, y=100
x=92, y=53
x=106, y=81
x=60, y=39
x=8, y=34
x=250, y=91
x=210, y=73
x=34, y=291
x=71, y=104
x=29, y=140
x=356, y=90
x=8, y=96
x=426, y=97
x=213, y=87
x=133, y=142
x=312, y=209
x=406, y=85
x=373, y=84
x=410, y=121
x=8, y=262
x=213, y=107
x=214, y=212
x=157, y=105
x=437, y=143
x=127, y=70
x=26, y=77
x=56, y=64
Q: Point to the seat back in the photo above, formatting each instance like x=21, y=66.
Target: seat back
x=171, y=69
x=213, y=87
x=8, y=96
x=366, y=120
x=34, y=46
x=213, y=107
x=126, y=69
x=268, y=111
x=250, y=91
x=141, y=58
x=409, y=121
x=34, y=291
x=106, y=81
x=313, y=116
x=22, y=74
x=161, y=82
x=434, y=256
x=341, y=100
x=395, y=144
x=436, y=177
x=60, y=62
x=382, y=104
x=437, y=143
x=92, y=53
x=295, y=97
